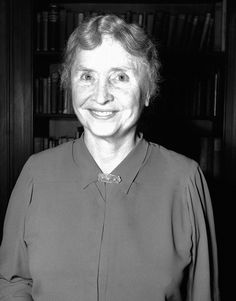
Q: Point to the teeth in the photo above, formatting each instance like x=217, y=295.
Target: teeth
x=102, y=113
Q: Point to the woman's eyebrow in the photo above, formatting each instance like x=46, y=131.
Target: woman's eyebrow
x=80, y=67
x=122, y=68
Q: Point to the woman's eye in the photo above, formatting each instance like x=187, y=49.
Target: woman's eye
x=86, y=77
x=122, y=77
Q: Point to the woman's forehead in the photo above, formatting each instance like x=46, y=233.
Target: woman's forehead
x=110, y=54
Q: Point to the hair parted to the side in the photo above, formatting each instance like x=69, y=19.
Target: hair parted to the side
x=89, y=34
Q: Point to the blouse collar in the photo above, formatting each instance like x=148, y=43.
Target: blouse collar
x=127, y=170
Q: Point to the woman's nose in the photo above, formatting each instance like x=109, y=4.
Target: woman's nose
x=103, y=93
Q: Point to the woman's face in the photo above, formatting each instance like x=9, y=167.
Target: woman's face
x=106, y=90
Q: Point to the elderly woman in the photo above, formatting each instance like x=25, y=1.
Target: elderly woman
x=109, y=216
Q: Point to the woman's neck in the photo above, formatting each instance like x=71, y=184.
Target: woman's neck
x=109, y=153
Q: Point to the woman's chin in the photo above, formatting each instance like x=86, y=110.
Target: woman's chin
x=102, y=133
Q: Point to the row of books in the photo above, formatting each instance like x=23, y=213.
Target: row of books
x=42, y=143
x=174, y=31
x=197, y=97
x=49, y=97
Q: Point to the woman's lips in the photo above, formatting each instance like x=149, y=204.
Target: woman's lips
x=102, y=114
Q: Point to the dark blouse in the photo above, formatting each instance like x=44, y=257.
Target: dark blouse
x=71, y=237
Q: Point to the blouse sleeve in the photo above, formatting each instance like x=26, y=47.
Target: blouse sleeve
x=15, y=280
x=203, y=273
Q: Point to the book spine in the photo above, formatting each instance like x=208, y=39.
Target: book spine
x=45, y=95
x=53, y=28
x=38, y=31
x=216, y=94
x=217, y=157
x=36, y=96
x=62, y=28
x=45, y=30
x=172, y=21
x=220, y=26
x=193, y=33
x=179, y=31
x=209, y=38
x=41, y=95
x=54, y=91
x=204, y=31
x=48, y=105
x=38, y=144
x=206, y=155
x=141, y=19
x=79, y=17
x=150, y=23
x=223, y=28
x=187, y=31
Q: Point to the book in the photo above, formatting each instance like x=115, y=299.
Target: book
x=179, y=31
x=79, y=18
x=216, y=97
x=206, y=155
x=134, y=17
x=141, y=19
x=67, y=103
x=60, y=106
x=187, y=32
x=210, y=36
x=209, y=98
x=223, y=28
x=164, y=29
x=42, y=143
x=170, y=34
x=205, y=29
x=45, y=30
x=38, y=144
x=45, y=95
x=203, y=157
x=62, y=28
x=48, y=105
x=157, y=24
x=193, y=33
x=41, y=95
x=150, y=23
x=53, y=27
x=198, y=33
x=55, y=87
x=128, y=16
x=36, y=95
x=38, y=32
x=220, y=25
x=217, y=150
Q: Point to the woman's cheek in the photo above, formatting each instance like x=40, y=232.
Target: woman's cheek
x=81, y=92
x=121, y=90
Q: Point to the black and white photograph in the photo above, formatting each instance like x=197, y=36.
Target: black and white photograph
x=118, y=150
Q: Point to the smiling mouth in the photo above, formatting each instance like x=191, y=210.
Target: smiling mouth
x=102, y=114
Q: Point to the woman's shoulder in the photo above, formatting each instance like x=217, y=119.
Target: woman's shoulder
x=51, y=160
x=54, y=153
x=167, y=159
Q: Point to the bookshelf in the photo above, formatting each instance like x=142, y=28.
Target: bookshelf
x=191, y=41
